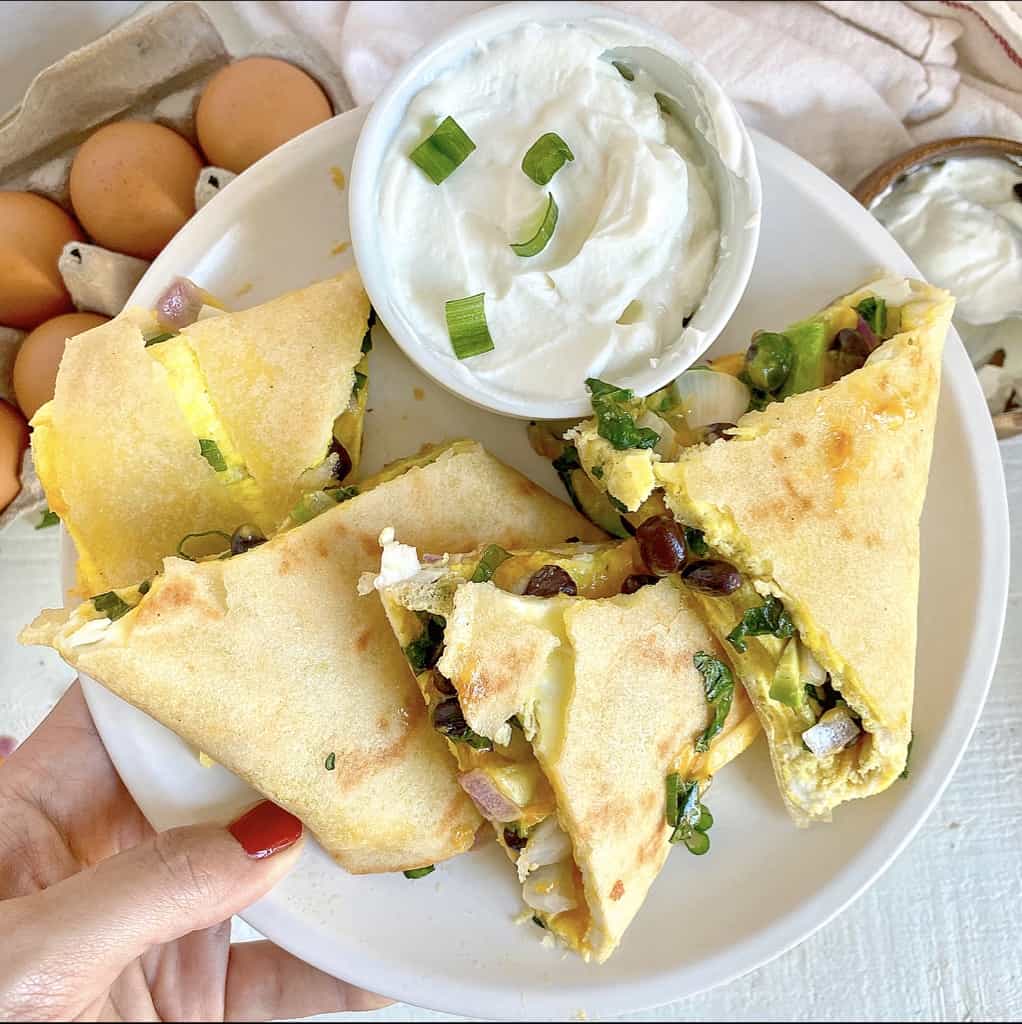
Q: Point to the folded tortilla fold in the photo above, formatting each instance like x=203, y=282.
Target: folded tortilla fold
x=818, y=500
x=216, y=426
x=273, y=665
x=606, y=692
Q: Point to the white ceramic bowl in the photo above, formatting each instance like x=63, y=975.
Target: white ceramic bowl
x=719, y=131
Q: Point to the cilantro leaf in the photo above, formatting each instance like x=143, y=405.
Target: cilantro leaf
x=614, y=422
x=874, y=311
x=719, y=685
x=695, y=543
x=424, y=651
x=769, y=618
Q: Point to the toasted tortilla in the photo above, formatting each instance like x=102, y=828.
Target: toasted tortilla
x=118, y=448
x=271, y=663
x=606, y=690
x=818, y=500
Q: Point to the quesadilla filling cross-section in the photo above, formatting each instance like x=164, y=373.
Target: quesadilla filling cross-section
x=587, y=706
x=155, y=433
x=270, y=662
x=805, y=491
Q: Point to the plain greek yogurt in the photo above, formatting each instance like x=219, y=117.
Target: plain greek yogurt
x=961, y=222
x=637, y=236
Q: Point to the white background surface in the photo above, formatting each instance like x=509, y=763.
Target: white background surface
x=938, y=937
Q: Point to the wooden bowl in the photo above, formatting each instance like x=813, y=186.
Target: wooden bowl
x=877, y=182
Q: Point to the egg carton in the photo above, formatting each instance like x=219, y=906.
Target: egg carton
x=150, y=68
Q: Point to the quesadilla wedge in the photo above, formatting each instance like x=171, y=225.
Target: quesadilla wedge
x=271, y=663
x=817, y=500
x=155, y=434
x=573, y=691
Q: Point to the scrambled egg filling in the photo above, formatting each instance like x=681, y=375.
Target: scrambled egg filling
x=791, y=707
x=188, y=383
x=552, y=882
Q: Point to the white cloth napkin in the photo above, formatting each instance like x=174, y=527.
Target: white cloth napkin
x=845, y=84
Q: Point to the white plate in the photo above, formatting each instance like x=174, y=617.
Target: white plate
x=448, y=941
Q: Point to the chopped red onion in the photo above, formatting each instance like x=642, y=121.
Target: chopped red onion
x=492, y=804
x=871, y=340
x=180, y=304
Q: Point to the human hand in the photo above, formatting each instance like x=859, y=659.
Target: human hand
x=101, y=918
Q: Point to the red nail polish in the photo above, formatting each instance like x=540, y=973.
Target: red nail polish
x=266, y=829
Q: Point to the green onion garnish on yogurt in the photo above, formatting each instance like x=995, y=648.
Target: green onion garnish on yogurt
x=466, y=324
x=543, y=233
x=624, y=70
x=546, y=156
x=443, y=152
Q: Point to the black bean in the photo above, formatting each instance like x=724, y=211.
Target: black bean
x=662, y=544
x=246, y=537
x=712, y=576
x=637, y=581
x=548, y=580
x=513, y=840
x=443, y=684
x=343, y=467
x=852, y=342
x=448, y=717
x=716, y=432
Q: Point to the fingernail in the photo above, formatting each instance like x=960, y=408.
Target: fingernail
x=266, y=830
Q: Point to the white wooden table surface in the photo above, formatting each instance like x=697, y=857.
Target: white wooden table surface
x=939, y=937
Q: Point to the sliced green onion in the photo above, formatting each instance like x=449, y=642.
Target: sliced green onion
x=210, y=451
x=624, y=70
x=313, y=504
x=157, y=338
x=340, y=494
x=705, y=822
x=360, y=381
x=331, y=761
x=181, y=553
x=543, y=234
x=697, y=843
x=673, y=786
x=110, y=605
x=668, y=105
x=546, y=156
x=444, y=151
x=490, y=559
x=48, y=518
x=420, y=872
x=466, y=324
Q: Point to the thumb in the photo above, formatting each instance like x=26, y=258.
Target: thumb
x=178, y=882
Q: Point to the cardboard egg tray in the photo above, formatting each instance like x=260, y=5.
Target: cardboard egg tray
x=151, y=68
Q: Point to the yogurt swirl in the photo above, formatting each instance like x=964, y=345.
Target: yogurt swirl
x=637, y=238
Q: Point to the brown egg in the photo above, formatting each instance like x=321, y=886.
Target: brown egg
x=253, y=106
x=32, y=232
x=35, y=368
x=13, y=442
x=133, y=186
